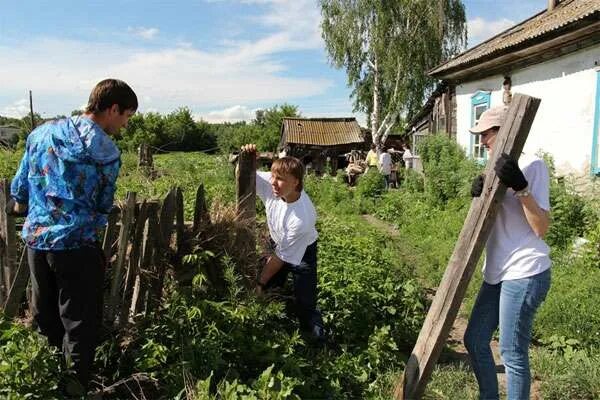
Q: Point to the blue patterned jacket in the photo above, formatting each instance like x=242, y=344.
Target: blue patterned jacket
x=67, y=178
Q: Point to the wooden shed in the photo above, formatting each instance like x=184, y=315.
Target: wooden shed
x=317, y=141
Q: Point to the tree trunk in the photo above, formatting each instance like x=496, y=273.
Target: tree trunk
x=376, y=103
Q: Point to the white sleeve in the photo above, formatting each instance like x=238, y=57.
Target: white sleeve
x=538, y=179
x=263, y=185
x=292, y=247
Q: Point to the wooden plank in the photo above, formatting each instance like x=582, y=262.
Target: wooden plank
x=167, y=217
x=149, y=260
x=246, y=186
x=17, y=288
x=110, y=232
x=133, y=268
x=9, y=237
x=467, y=251
x=127, y=215
x=200, y=210
x=180, y=222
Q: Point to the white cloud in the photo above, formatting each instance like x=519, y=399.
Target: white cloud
x=480, y=29
x=144, y=33
x=18, y=109
x=171, y=77
x=231, y=114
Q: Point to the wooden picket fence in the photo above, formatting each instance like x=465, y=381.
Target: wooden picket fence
x=142, y=239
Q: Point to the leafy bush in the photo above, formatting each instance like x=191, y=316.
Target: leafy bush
x=29, y=368
x=447, y=169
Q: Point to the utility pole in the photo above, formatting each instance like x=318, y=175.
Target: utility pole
x=31, y=111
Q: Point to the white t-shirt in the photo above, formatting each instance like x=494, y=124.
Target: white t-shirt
x=385, y=163
x=513, y=250
x=291, y=225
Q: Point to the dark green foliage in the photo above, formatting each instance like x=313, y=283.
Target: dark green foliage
x=448, y=171
x=29, y=368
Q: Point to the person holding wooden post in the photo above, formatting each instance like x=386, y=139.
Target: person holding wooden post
x=291, y=219
x=66, y=183
x=516, y=270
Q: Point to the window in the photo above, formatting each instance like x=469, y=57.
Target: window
x=595, y=167
x=479, y=103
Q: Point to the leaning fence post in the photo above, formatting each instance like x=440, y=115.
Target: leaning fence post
x=9, y=239
x=246, y=201
x=127, y=216
x=468, y=249
x=16, y=290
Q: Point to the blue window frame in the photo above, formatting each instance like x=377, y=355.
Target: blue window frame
x=595, y=167
x=480, y=102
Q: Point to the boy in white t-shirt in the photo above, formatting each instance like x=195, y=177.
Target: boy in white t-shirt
x=291, y=218
x=516, y=270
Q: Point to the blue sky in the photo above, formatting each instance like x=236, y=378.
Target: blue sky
x=221, y=58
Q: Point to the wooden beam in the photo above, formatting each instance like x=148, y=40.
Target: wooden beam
x=127, y=216
x=200, y=210
x=467, y=251
x=246, y=186
x=9, y=238
x=17, y=288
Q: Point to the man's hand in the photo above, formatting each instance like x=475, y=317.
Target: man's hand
x=509, y=173
x=249, y=148
x=477, y=186
x=16, y=209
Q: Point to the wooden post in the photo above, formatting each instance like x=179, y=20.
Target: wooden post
x=246, y=186
x=109, y=233
x=467, y=251
x=9, y=239
x=17, y=288
x=127, y=216
x=179, y=218
x=145, y=156
x=200, y=210
x=246, y=203
x=133, y=268
x=150, y=259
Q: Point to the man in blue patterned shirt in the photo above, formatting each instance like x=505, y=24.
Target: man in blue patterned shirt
x=66, y=184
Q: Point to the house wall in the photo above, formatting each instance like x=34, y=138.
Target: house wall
x=564, y=123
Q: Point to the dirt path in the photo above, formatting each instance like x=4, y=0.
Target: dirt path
x=456, y=350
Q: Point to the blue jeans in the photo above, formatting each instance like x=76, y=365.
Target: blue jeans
x=509, y=306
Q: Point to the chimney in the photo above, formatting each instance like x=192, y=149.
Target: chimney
x=552, y=4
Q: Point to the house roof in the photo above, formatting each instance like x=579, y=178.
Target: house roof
x=320, y=131
x=546, y=25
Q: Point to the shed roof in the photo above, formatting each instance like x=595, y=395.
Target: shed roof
x=320, y=131
x=542, y=26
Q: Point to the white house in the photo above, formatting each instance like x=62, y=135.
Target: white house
x=555, y=56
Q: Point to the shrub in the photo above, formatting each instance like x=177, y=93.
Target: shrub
x=447, y=169
x=29, y=367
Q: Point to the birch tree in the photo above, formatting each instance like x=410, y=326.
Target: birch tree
x=386, y=48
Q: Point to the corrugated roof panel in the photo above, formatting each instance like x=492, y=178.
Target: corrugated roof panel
x=322, y=131
x=566, y=12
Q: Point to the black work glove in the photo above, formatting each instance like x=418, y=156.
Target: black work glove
x=477, y=186
x=509, y=173
x=10, y=209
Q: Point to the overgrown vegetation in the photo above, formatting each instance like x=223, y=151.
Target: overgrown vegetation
x=229, y=344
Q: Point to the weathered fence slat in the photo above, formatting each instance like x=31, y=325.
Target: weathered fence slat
x=9, y=237
x=109, y=233
x=148, y=267
x=246, y=186
x=179, y=218
x=133, y=268
x=200, y=209
x=467, y=251
x=17, y=288
x=128, y=214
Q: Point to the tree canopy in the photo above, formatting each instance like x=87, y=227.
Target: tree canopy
x=387, y=47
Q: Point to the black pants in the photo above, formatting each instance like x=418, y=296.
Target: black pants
x=66, y=299
x=305, y=287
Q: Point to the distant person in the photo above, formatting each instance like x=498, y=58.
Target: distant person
x=516, y=271
x=65, y=184
x=372, y=159
x=291, y=219
x=407, y=157
x=385, y=167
